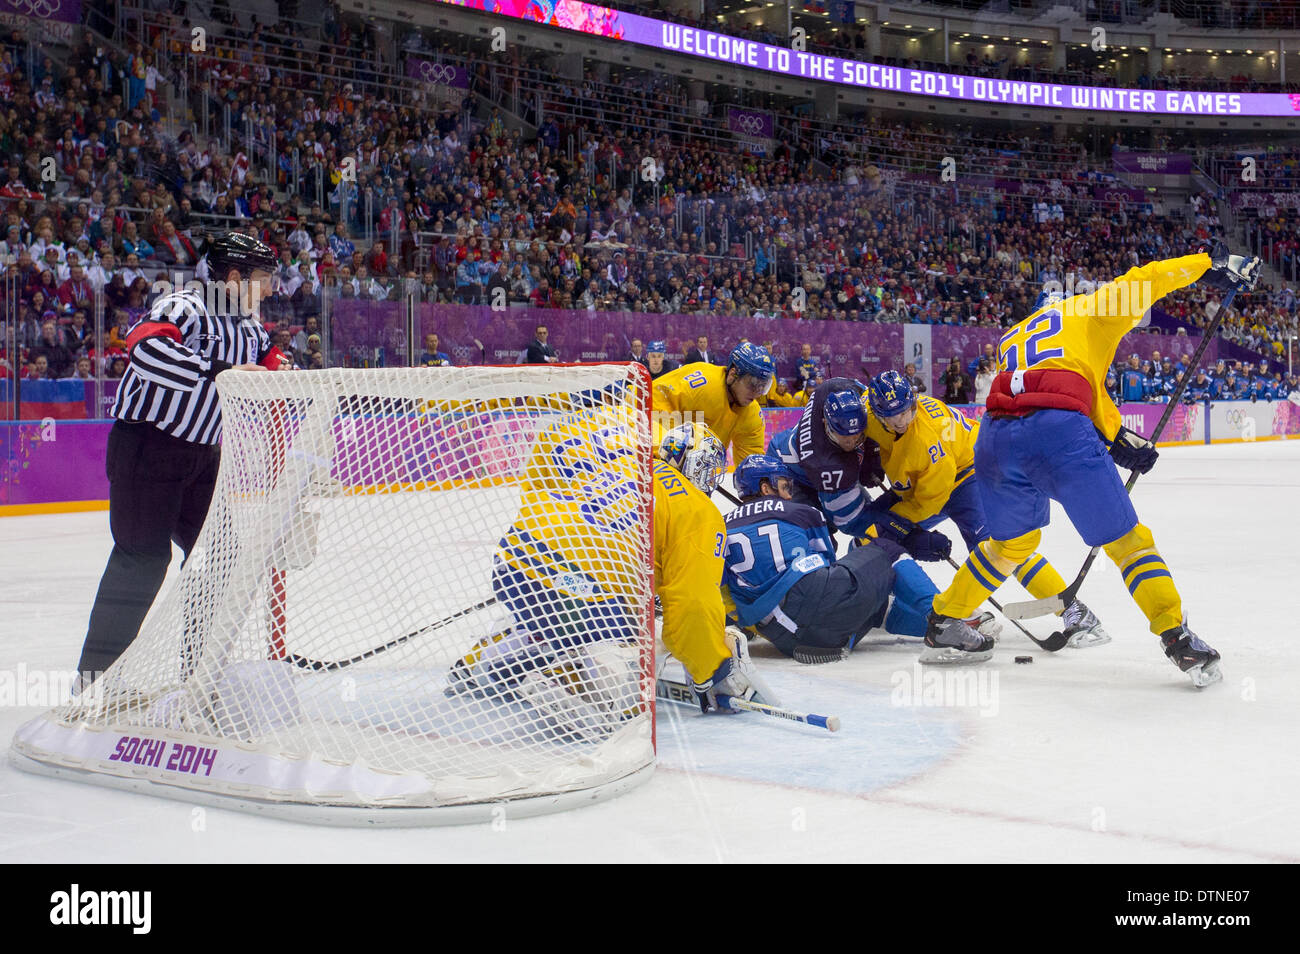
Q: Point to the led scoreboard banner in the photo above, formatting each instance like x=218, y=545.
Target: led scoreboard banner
x=723, y=49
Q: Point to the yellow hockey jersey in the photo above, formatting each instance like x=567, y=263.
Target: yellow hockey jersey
x=690, y=539
x=580, y=510
x=929, y=459
x=1081, y=333
x=700, y=391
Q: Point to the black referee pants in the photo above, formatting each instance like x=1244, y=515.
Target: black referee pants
x=159, y=490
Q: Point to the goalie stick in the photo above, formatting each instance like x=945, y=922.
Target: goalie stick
x=316, y=665
x=682, y=693
x=1057, y=604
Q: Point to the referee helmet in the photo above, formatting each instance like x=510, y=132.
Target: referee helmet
x=237, y=250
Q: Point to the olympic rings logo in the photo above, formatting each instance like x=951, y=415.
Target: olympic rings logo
x=1238, y=418
x=437, y=72
x=749, y=124
x=37, y=8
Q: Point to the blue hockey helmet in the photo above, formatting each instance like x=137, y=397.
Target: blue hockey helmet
x=844, y=413
x=755, y=361
x=756, y=468
x=695, y=450
x=656, y=347
x=1048, y=296
x=889, y=393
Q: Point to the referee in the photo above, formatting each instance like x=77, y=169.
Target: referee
x=163, y=451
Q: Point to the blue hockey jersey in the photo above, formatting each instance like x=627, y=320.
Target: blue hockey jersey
x=771, y=545
x=822, y=467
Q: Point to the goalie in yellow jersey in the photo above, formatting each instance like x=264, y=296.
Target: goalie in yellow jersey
x=568, y=571
x=1052, y=433
x=927, y=450
x=726, y=399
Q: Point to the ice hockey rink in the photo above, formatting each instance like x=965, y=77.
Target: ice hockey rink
x=1105, y=754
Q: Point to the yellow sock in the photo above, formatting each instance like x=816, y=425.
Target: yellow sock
x=987, y=568
x=1039, y=577
x=1148, y=578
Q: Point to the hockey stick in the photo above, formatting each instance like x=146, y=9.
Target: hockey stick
x=684, y=694
x=315, y=665
x=1057, y=604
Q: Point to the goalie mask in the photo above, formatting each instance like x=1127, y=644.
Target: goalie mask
x=695, y=450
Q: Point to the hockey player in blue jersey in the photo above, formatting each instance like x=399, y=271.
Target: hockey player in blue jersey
x=1198, y=389
x=1133, y=384
x=785, y=581
x=830, y=456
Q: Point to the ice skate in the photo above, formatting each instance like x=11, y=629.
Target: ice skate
x=1192, y=655
x=1082, y=628
x=986, y=624
x=949, y=640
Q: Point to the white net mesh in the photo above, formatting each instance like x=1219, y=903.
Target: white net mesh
x=414, y=588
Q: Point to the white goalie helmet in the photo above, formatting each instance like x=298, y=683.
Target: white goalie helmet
x=695, y=450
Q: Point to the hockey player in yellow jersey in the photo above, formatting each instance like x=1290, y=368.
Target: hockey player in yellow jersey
x=569, y=566
x=1047, y=435
x=927, y=450
x=723, y=398
x=690, y=543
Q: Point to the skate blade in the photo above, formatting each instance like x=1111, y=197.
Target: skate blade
x=1088, y=638
x=951, y=655
x=1205, y=675
x=818, y=656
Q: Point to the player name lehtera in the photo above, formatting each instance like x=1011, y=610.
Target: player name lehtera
x=766, y=505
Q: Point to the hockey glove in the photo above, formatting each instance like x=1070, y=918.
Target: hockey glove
x=928, y=545
x=884, y=502
x=871, y=471
x=1133, y=451
x=736, y=677
x=1230, y=272
x=891, y=526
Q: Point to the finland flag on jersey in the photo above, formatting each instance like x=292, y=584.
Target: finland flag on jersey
x=171, y=384
x=771, y=544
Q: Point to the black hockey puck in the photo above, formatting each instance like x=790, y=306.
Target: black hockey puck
x=1024, y=659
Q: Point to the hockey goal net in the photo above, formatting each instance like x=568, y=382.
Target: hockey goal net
x=418, y=593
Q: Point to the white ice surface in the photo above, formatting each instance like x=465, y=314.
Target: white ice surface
x=1107, y=754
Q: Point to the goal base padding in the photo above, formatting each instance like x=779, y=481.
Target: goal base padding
x=223, y=775
x=344, y=817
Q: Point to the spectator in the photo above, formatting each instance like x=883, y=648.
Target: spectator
x=76, y=292
x=808, y=367
x=956, y=384
x=431, y=357
x=700, y=352
x=984, y=375
x=539, y=352
x=82, y=371
x=909, y=372
x=636, y=352
x=51, y=349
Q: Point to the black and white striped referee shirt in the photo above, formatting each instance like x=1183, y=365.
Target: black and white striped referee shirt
x=171, y=385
